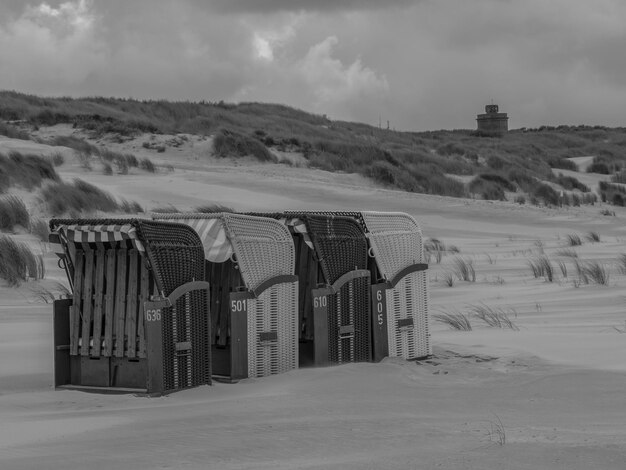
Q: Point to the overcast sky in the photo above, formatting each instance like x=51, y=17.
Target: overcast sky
x=421, y=64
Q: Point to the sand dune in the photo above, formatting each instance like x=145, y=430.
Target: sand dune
x=556, y=385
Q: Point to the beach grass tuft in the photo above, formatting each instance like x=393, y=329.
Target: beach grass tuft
x=455, y=320
x=464, y=269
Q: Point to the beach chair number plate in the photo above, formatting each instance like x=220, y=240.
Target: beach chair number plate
x=379, y=321
x=320, y=301
x=238, y=305
x=153, y=314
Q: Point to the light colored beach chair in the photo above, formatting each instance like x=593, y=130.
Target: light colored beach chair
x=401, y=302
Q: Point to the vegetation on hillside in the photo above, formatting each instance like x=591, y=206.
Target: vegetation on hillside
x=522, y=161
x=82, y=198
x=25, y=170
x=18, y=263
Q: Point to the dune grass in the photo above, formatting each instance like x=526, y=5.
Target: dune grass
x=607, y=212
x=519, y=161
x=612, y=193
x=573, y=239
x=25, y=170
x=169, y=209
x=621, y=263
x=130, y=207
x=455, y=320
x=213, y=208
x=567, y=253
x=48, y=294
x=597, y=272
x=592, y=271
x=593, y=237
x=58, y=159
x=228, y=143
x=495, y=317
x=147, y=165
x=434, y=247
x=13, y=213
x=490, y=258
x=541, y=266
x=448, y=278
x=122, y=166
x=18, y=263
x=464, y=269
x=85, y=160
x=78, y=144
x=39, y=228
x=581, y=273
x=81, y=198
x=563, y=268
x=13, y=132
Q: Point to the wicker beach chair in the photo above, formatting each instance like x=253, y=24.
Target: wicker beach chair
x=341, y=249
x=250, y=264
x=397, y=246
x=137, y=317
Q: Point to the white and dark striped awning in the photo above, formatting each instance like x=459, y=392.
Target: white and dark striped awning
x=97, y=236
x=210, y=228
x=217, y=246
x=298, y=226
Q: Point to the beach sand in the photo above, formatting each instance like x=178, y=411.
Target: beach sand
x=548, y=395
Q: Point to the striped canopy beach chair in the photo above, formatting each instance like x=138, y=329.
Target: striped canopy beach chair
x=136, y=319
x=250, y=265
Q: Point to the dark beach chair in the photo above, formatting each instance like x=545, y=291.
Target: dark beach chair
x=137, y=318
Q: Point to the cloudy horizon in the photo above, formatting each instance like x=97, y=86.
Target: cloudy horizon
x=421, y=65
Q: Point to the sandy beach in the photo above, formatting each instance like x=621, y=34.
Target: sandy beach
x=546, y=394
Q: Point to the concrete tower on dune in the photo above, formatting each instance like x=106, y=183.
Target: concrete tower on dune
x=492, y=120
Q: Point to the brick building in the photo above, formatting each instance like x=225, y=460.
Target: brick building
x=492, y=120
